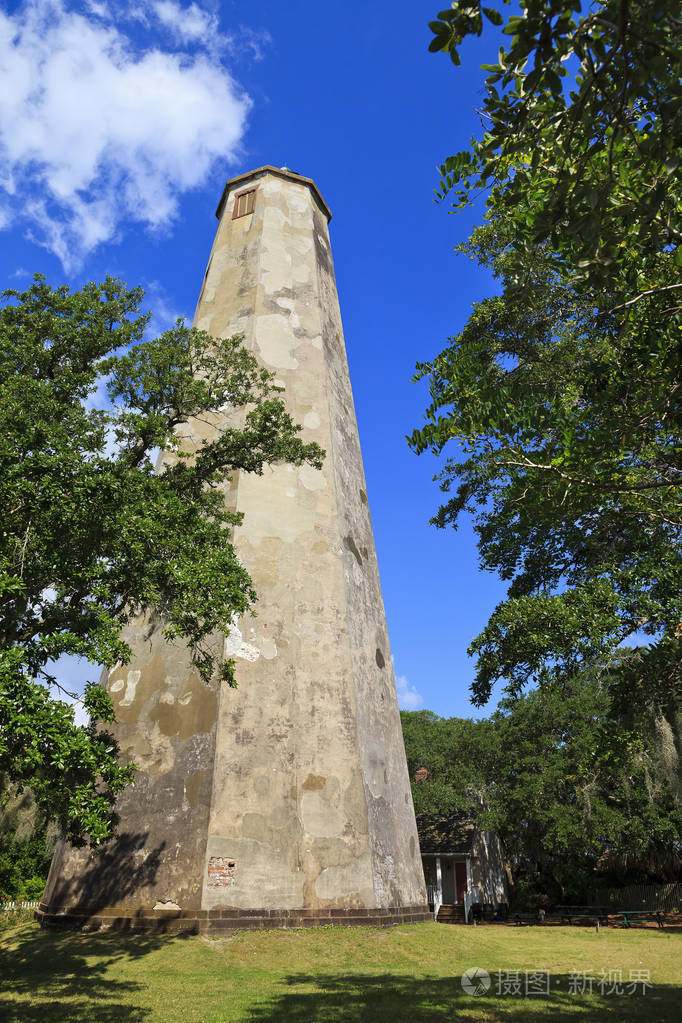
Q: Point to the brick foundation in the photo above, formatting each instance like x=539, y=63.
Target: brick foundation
x=224, y=921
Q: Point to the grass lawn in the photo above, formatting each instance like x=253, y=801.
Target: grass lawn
x=408, y=974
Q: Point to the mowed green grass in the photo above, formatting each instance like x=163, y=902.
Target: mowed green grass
x=409, y=974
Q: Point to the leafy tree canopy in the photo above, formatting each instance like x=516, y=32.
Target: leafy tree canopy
x=91, y=535
x=574, y=788
x=582, y=125
x=559, y=401
x=455, y=753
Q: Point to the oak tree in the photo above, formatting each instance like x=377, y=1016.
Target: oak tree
x=577, y=790
x=558, y=406
x=91, y=535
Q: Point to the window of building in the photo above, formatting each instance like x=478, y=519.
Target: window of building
x=243, y=203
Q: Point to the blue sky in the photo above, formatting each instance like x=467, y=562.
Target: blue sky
x=119, y=124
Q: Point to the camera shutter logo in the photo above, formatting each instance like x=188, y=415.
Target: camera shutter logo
x=475, y=981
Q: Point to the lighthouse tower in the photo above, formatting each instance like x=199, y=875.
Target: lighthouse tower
x=285, y=802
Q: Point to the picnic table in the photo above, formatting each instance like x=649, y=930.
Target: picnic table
x=567, y=914
x=628, y=915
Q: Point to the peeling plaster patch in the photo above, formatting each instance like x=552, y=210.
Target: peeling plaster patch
x=373, y=759
x=297, y=198
x=316, y=342
x=311, y=420
x=235, y=646
x=157, y=755
x=278, y=382
x=184, y=700
x=117, y=686
x=275, y=270
x=167, y=905
x=166, y=698
x=262, y=786
x=312, y=479
x=269, y=874
x=276, y=342
x=379, y=889
x=277, y=214
x=290, y=492
x=188, y=433
x=301, y=274
x=341, y=882
x=320, y=818
x=266, y=524
x=268, y=648
x=379, y=657
x=133, y=679
x=301, y=243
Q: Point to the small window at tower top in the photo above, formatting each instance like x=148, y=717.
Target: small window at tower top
x=243, y=203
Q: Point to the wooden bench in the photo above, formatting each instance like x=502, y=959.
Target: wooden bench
x=526, y=918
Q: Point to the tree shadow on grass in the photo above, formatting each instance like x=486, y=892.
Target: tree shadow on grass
x=387, y=998
x=63, y=977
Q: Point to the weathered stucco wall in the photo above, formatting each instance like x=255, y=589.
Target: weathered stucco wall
x=311, y=798
x=298, y=794
x=166, y=724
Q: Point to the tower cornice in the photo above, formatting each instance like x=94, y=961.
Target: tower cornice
x=280, y=172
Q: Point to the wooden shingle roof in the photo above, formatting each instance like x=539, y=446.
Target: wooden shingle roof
x=452, y=833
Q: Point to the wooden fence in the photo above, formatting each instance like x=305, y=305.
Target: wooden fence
x=664, y=897
x=12, y=907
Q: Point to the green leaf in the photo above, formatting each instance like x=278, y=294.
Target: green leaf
x=439, y=43
x=492, y=15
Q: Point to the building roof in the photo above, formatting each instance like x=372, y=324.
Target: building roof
x=452, y=833
x=280, y=172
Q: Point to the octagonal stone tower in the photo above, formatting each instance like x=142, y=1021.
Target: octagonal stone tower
x=287, y=801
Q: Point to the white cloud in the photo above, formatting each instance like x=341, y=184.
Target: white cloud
x=97, y=130
x=408, y=696
x=190, y=24
x=99, y=10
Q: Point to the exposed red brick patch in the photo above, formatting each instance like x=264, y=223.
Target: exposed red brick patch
x=220, y=872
